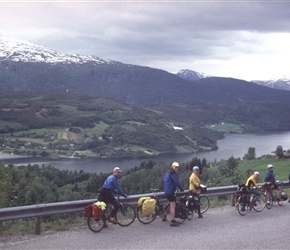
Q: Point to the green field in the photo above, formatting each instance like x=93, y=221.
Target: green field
x=281, y=167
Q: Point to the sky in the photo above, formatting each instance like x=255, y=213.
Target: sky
x=247, y=40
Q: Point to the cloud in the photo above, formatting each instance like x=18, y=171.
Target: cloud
x=244, y=39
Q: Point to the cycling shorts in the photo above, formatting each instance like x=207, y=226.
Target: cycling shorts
x=170, y=197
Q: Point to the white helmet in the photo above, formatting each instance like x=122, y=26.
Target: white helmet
x=269, y=166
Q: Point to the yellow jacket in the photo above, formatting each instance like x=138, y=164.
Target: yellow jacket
x=194, y=183
x=251, y=182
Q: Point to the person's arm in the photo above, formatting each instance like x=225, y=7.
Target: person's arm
x=176, y=181
x=248, y=182
x=255, y=183
x=196, y=182
x=118, y=189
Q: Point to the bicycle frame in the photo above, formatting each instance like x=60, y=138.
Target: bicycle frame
x=271, y=194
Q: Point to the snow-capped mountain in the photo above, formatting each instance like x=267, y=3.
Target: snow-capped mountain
x=278, y=83
x=191, y=75
x=24, y=51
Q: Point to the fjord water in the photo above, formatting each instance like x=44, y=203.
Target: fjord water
x=235, y=145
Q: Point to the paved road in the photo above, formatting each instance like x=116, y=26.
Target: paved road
x=221, y=228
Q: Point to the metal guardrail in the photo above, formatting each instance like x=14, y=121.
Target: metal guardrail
x=39, y=210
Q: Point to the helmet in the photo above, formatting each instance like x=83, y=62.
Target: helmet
x=195, y=168
x=117, y=169
x=175, y=164
x=269, y=166
x=257, y=173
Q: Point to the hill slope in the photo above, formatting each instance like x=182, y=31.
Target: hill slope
x=29, y=67
x=81, y=126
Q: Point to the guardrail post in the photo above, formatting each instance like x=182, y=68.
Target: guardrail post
x=37, y=225
x=233, y=200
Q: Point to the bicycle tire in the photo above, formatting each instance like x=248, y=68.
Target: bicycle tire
x=204, y=204
x=242, y=207
x=189, y=214
x=179, y=215
x=280, y=202
x=125, y=215
x=269, y=200
x=95, y=224
x=261, y=203
x=145, y=219
x=179, y=220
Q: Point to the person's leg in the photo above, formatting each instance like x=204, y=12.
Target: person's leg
x=278, y=192
x=257, y=194
x=172, y=201
x=109, y=198
x=198, y=208
x=172, y=210
x=114, y=210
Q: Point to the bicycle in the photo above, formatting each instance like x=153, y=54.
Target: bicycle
x=159, y=210
x=125, y=215
x=245, y=203
x=181, y=211
x=271, y=194
x=194, y=200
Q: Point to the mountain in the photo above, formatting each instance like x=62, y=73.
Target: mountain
x=24, y=51
x=191, y=75
x=25, y=66
x=279, y=83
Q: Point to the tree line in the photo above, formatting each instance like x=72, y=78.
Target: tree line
x=34, y=184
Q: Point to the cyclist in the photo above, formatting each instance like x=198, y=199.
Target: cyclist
x=253, y=187
x=171, y=182
x=111, y=187
x=194, y=186
x=270, y=177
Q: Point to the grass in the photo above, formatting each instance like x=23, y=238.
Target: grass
x=281, y=168
x=227, y=127
x=27, y=226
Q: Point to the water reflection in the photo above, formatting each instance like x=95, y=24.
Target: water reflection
x=236, y=145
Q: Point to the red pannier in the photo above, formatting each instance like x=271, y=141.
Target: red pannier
x=87, y=210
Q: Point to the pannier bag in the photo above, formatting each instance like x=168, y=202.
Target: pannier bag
x=266, y=186
x=148, y=205
x=142, y=199
x=191, y=202
x=98, y=209
x=180, y=211
x=242, y=192
x=284, y=196
x=87, y=210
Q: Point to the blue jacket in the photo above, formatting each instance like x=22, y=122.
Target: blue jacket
x=171, y=182
x=112, y=184
x=270, y=177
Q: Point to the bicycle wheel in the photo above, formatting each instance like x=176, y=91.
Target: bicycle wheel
x=280, y=202
x=95, y=224
x=125, y=215
x=269, y=200
x=261, y=203
x=179, y=220
x=204, y=204
x=242, y=207
x=145, y=219
x=180, y=215
x=189, y=214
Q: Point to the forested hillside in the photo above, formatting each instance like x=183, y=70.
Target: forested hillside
x=33, y=184
x=65, y=125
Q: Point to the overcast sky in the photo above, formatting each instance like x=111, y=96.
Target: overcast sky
x=248, y=40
